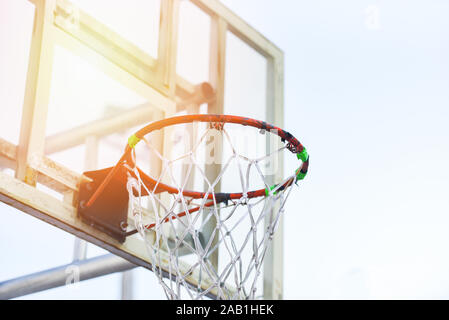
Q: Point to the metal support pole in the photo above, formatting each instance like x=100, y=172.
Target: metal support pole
x=63, y=275
x=127, y=285
x=79, y=250
x=90, y=163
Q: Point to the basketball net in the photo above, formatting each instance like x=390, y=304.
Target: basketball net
x=212, y=246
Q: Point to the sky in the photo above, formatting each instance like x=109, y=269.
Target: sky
x=366, y=91
x=369, y=100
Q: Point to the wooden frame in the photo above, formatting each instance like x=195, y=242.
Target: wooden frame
x=59, y=22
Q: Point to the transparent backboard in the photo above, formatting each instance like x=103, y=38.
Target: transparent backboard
x=93, y=72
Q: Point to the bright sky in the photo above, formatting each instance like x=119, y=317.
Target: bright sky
x=366, y=90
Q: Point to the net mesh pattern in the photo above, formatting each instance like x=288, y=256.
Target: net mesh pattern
x=217, y=251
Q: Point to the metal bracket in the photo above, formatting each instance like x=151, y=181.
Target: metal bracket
x=67, y=15
x=109, y=212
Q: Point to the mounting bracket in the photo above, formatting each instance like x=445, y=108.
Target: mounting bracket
x=109, y=212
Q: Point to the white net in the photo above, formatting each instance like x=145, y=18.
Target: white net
x=209, y=243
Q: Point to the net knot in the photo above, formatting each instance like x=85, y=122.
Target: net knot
x=293, y=148
x=216, y=125
x=244, y=200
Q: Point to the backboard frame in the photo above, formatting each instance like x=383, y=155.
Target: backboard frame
x=58, y=22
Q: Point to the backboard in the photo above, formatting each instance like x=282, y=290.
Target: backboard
x=99, y=70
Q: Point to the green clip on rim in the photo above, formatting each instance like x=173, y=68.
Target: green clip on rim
x=132, y=141
x=303, y=156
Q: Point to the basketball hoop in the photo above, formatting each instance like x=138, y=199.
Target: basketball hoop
x=194, y=224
